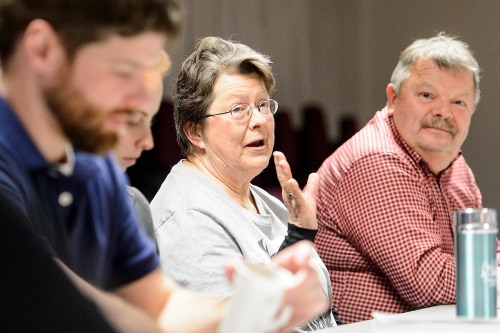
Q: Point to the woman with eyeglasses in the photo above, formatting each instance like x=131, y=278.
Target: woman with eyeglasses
x=207, y=211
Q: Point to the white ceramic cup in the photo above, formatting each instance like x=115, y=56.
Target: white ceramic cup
x=256, y=304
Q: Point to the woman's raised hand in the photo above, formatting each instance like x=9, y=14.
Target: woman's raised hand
x=301, y=204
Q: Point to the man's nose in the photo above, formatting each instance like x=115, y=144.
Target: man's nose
x=147, y=142
x=138, y=93
x=442, y=109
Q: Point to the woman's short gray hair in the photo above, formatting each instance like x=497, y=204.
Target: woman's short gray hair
x=212, y=57
x=446, y=51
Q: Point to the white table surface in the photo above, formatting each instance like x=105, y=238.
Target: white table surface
x=436, y=319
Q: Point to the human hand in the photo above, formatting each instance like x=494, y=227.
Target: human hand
x=304, y=293
x=304, y=296
x=301, y=205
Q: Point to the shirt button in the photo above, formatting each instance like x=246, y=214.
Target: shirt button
x=65, y=199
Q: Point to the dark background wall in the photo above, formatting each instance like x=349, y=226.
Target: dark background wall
x=340, y=54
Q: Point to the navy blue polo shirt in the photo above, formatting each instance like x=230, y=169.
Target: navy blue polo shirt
x=85, y=218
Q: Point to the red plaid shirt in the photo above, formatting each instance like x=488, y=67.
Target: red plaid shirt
x=385, y=223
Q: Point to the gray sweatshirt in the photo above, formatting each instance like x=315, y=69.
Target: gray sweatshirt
x=199, y=228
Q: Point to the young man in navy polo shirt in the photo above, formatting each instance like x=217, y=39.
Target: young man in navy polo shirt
x=73, y=73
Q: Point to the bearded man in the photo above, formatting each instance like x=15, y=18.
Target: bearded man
x=73, y=73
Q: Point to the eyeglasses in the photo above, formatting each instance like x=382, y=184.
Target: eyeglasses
x=243, y=111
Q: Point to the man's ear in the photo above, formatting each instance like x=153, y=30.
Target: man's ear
x=194, y=134
x=391, y=94
x=43, y=50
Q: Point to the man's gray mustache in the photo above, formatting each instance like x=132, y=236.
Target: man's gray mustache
x=440, y=123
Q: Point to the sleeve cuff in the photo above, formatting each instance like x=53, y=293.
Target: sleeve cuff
x=296, y=234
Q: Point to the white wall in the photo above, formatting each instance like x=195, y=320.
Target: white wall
x=341, y=54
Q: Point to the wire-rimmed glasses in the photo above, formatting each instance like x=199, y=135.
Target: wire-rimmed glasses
x=243, y=111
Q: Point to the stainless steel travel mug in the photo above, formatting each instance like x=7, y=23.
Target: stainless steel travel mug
x=475, y=257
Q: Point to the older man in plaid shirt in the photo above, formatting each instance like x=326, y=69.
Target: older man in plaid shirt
x=387, y=195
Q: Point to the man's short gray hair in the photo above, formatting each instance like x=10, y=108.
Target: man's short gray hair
x=446, y=51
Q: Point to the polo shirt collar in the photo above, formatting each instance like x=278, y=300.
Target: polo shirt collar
x=13, y=131
x=67, y=167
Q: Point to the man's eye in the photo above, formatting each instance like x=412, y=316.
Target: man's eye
x=123, y=74
x=133, y=122
x=426, y=95
x=123, y=71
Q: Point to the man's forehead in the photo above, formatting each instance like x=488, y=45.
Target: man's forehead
x=144, y=50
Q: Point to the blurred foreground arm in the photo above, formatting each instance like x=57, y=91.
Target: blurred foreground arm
x=180, y=305
x=171, y=308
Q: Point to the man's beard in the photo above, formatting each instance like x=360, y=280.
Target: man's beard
x=83, y=123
